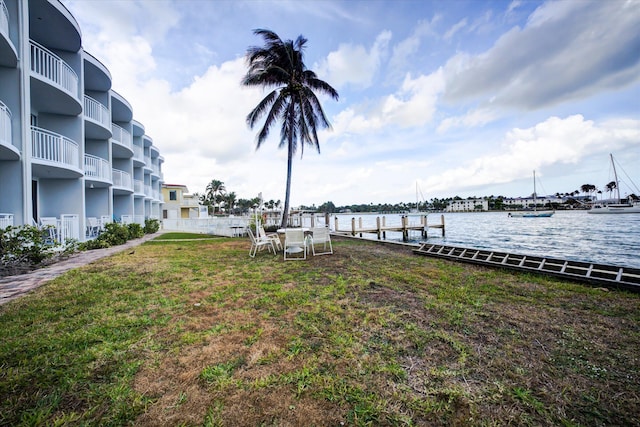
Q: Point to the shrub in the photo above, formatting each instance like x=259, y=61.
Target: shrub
x=151, y=226
x=114, y=234
x=23, y=245
x=135, y=231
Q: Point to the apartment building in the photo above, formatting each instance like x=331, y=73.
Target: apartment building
x=70, y=148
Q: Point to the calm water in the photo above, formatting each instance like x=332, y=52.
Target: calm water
x=607, y=239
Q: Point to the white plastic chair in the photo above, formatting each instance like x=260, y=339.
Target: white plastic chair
x=321, y=236
x=258, y=243
x=93, y=227
x=273, y=236
x=294, y=242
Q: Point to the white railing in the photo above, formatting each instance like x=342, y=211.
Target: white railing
x=5, y=124
x=69, y=228
x=6, y=220
x=138, y=153
x=138, y=186
x=96, y=167
x=4, y=19
x=138, y=219
x=126, y=219
x=147, y=160
x=147, y=190
x=121, y=179
x=53, y=147
x=96, y=111
x=121, y=136
x=48, y=65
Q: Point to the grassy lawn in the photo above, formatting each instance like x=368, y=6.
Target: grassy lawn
x=197, y=333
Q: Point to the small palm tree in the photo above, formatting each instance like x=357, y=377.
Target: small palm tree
x=279, y=65
x=214, y=190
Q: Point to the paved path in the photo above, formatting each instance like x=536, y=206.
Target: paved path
x=12, y=287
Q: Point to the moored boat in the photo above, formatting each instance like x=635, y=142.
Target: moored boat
x=534, y=213
x=618, y=207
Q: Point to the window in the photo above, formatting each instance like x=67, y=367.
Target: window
x=173, y=195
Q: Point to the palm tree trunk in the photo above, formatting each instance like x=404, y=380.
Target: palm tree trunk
x=285, y=213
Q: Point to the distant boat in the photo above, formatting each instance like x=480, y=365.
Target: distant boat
x=534, y=213
x=416, y=211
x=618, y=207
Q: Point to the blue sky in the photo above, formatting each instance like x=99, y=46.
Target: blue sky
x=464, y=98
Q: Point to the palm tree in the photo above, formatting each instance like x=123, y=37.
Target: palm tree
x=279, y=65
x=213, y=192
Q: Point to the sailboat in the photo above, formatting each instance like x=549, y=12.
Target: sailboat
x=416, y=211
x=619, y=207
x=534, y=213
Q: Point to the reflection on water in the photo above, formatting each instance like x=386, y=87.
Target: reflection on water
x=607, y=239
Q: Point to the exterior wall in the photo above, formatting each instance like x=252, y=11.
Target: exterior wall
x=68, y=141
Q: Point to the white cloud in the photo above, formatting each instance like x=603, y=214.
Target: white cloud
x=568, y=50
x=353, y=64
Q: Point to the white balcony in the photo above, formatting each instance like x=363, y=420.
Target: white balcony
x=138, y=186
x=96, y=111
x=138, y=153
x=7, y=150
x=121, y=179
x=97, y=168
x=123, y=146
x=54, y=149
x=50, y=67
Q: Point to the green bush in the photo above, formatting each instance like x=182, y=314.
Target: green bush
x=151, y=226
x=114, y=234
x=135, y=231
x=24, y=245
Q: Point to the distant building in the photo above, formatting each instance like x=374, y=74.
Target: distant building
x=70, y=148
x=178, y=204
x=468, y=205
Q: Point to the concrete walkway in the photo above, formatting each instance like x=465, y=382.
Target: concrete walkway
x=12, y=287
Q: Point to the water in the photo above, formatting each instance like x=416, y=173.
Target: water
x=578, y=236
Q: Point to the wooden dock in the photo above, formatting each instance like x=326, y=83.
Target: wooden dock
x=381, y=227
x=598, y=274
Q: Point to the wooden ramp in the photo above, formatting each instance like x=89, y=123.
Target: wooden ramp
x=599, y=274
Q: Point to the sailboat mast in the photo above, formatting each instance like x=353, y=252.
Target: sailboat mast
x=615, y=176
x=535, y=195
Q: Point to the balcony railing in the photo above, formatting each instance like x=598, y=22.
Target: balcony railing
x=138, y=186
x=96, y=111
x=121, y=136
x=96, y=167
x=121, y=179
x=138, y=153
x=4, y=19
x=48, y=65
x=5, y=124
x=53, y=147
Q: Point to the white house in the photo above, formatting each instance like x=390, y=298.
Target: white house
x=70, y=147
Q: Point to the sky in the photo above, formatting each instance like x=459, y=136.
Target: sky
x=436, y=98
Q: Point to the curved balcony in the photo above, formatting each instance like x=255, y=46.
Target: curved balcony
x=97, y=119
x=53, y=155
x=54, y=84
x=138, y=156
x=7, y=149
x=8, y=54
x=51, y=24
x=96, y=169
x=122, y=142
x=96, y=76
x=138, y=187
x=122, y=183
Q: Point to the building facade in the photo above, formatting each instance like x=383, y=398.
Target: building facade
x=179, y=204
x=70, y=147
